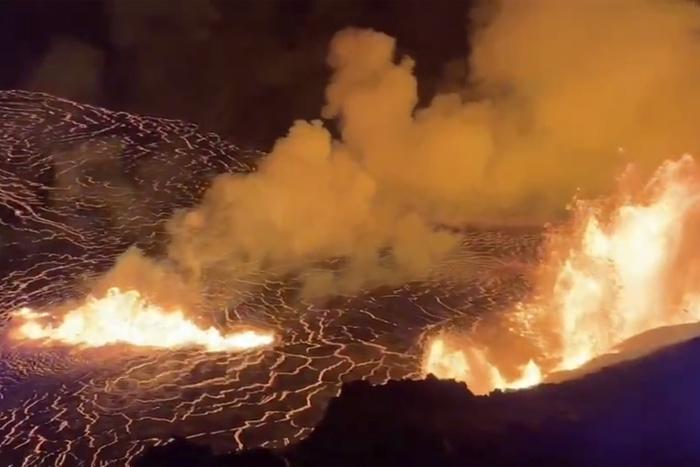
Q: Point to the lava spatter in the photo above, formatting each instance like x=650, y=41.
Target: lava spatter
x=126, y=317
x=625, y=266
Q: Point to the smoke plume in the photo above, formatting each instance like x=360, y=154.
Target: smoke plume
x=562, y=95
x=579, y=89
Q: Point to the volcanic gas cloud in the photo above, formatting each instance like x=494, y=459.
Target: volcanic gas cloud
x=553, y=108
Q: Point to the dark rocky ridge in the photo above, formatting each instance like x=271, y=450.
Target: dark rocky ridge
x=641, y=412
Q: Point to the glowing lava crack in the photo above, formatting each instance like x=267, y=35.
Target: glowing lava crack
x=128, y=317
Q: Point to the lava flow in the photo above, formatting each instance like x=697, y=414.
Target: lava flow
x=128, y=317
x=624, y=266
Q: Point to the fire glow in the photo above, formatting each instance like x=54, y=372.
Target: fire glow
x=128, y=317
x=623, y=267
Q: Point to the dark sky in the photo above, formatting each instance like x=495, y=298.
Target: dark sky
x=243, y=68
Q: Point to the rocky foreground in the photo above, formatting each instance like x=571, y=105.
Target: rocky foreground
x=640, y=412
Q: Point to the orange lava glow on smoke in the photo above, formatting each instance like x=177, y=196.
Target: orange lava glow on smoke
x=624, y=266
x=127, y=317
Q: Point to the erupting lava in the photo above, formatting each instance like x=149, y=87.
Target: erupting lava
x=625, y=266
x=127, y=317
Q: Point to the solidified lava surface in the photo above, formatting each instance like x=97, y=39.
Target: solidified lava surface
x=78, y=186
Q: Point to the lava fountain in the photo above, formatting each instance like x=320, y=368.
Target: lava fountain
x=128, y=317
x=623, y=266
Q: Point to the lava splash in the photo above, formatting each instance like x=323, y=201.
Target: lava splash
x=128, y=317
x=624, y=266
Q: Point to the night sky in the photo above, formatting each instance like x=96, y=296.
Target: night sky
x=243, y=68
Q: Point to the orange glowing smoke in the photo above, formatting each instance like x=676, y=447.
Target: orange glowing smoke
x=624, y=266
x=127, y=317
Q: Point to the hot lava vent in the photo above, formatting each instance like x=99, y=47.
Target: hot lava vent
x=128, y=317
x=623, y=266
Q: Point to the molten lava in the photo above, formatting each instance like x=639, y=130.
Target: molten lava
x=127, y=317
x=473, y=367
x=624, y=266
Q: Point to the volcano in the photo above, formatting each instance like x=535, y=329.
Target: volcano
x=81, y=381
